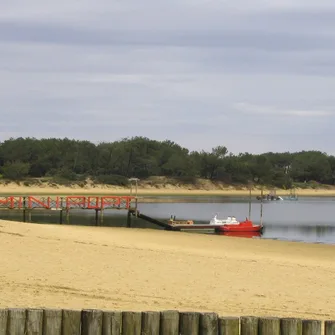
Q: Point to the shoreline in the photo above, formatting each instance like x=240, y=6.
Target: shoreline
x=171, y=270
x=19, y=190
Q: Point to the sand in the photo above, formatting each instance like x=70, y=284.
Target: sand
x=132, y=269
x=15, y=189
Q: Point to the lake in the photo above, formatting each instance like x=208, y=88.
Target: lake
x=308, y=219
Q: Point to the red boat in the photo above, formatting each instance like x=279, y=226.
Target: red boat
x=244, y=226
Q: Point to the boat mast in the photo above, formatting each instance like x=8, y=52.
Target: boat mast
x=249, y=202
x=262, y=205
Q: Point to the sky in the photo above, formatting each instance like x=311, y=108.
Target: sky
x=254, y=76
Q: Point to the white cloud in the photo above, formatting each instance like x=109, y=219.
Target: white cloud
x=277, y=111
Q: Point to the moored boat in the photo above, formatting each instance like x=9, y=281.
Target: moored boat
x=174, y=222
x=244, y=226
x=231, y=220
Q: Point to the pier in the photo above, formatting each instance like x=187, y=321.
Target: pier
x=64, y=204
x=67, y=203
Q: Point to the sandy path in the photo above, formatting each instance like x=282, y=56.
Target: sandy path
x=130, y=269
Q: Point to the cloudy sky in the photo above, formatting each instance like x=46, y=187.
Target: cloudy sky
x=254, y=76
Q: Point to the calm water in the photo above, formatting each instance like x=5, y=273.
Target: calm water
x=308, y=219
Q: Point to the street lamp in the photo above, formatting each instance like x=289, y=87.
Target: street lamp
x=131, y=185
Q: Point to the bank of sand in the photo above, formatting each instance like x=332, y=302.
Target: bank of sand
x=131, y=269
x=15, y=189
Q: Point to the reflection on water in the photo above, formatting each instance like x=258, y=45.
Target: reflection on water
x=309, y=219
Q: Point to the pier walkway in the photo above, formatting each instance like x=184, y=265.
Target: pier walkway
x=67, y=202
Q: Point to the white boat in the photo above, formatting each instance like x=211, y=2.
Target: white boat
x=231, y=220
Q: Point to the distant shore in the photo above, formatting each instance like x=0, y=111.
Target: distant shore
x=15, y=189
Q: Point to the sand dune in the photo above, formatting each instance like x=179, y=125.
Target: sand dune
x=130, y=269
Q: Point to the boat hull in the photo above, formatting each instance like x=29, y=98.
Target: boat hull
x=244, y=234
x=245, y=226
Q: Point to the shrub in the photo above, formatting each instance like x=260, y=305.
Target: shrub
x=112, y=179
x=15, y=170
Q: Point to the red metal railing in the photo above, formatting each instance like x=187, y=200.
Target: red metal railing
x=67, y=202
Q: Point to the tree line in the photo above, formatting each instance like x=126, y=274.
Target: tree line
x=115, y=162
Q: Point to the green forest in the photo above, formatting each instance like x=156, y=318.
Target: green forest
x=67, y=160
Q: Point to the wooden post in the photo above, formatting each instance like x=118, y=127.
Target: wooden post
x=209, y=324
x=61, y=211
x=249, y=325
x=131, y=323
x=229, y=326
x=68, y=215
x=24, y=209
x=16, y=321
x=101, y=215
x=290, y=326
x=169, y=323
x=91, y=322
x=111, y=323
x=136, y=207
x=311, y=327
x=262, y=205
x=34, y=322
x=269, y=326
x=150, y=323
x=71, y=322
x=3, y=321
x=52, y=322
x=189, y=323
x=129, y=219
x=329, y=327
x=96, y=217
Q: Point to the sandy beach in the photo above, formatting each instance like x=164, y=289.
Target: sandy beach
x=15, y=189
x=138, y=269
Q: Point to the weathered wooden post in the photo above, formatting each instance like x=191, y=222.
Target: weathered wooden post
x=52, y=322
x=249, y=325
x=311, y=327
x=96, y=217
x=131, y=323
x=269, y=326
x=16, y=321
x=67, y=215
x=101, y=213
x=229, y=326
x=129, y=218
x=61, y=211
x=3, y=321
x=329, y=327
x=34, y=322
x=91, y=322
x=111, y=323
x=209, y=324
x=71, y=324
x=189, y=323
x=24, y=209
x=150, y=323
x=290, y=326
x=169, y=323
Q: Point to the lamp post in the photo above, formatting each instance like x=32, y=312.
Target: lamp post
x=131, y=185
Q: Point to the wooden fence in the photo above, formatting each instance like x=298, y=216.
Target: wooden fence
x=97, y=322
